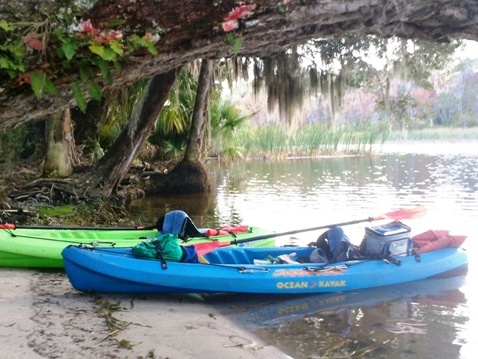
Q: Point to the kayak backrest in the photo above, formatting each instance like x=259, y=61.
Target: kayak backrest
x=235, y=256
x=177, y=222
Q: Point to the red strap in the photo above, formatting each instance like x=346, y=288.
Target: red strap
x=7, y=226
x=235, y=229
x=215, y=232
x=226, y=230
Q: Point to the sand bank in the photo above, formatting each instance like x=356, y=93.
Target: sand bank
x=42, y=316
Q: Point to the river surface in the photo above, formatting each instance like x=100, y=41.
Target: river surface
x=430, y=319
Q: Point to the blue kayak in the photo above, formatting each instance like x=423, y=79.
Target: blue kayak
x=233, y=270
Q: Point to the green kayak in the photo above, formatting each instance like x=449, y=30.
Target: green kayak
x=41, y=246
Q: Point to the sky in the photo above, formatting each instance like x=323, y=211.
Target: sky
x=471, y=50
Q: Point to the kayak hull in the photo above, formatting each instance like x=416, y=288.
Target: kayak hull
x=231, y=270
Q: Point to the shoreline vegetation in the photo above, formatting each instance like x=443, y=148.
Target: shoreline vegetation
x=270, y=142
x=273, y=142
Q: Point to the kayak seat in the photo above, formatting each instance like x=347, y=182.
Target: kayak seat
x=238, y=256
x=178, y=222
x=247, y=255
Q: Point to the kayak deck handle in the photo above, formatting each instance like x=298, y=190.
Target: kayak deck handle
x=252, y=270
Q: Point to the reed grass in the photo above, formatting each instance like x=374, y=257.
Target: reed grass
x=264, y=141
x=274, y=141
x=309, y=140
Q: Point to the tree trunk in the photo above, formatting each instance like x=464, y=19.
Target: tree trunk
x=117, y=161
x=191, y=175
x=61, y=155
x=200, y=116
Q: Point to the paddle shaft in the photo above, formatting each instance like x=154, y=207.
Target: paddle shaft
x=206, y=247
x=273, y=235
x=402, y=213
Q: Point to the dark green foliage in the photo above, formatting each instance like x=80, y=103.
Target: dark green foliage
x=22, y=142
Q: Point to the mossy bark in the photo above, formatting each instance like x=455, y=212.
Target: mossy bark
x=61, y=154
x=191, y=175
x=113, y=166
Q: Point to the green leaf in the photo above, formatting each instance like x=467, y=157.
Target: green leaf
x=17, y=50
x=115, y=23
x=105, y=71
x=86, y=73
x=79, y=97
x=97, y=49
x=117, y=47
x=69, y=49
x=95, y=91
x=105, y=53
x=133, y=42
x=49, y=87
x=141, y=41
x=109, y=55
x=283, y=10
x=151, y=48
x=238, y=44
x=4, y=62
x=38, y=83
x=230, y=38
x=12, y=67
x=235, y=41
x=41, y=84
x=6, y=26
x=20, y=67
x=59, y=34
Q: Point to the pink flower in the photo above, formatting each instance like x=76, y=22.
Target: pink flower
x=240, y=12
x=106, y=37
x=33, y=41
x=88, y=28
x=230, y=22
x=230, y=25
x=115, y=35
x=24, y=78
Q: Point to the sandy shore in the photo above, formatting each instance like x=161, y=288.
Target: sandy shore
x=42, y=316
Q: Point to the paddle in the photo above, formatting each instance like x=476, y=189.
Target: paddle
x=399, y=214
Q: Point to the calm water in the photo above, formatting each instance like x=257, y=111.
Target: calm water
x=431, y=319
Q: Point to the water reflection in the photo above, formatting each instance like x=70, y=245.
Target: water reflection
x=395, y=321
x=445, y=289
x=413, y=320
x=398, y=328
x=302, y=193
x=199, y=206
